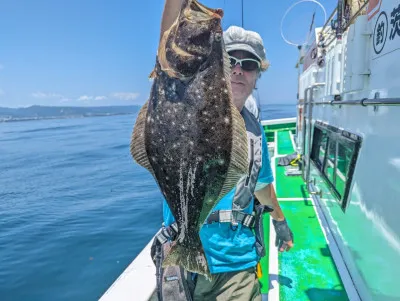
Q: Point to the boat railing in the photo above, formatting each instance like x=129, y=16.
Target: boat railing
x=362, y=102
x=329, y=19
x=357, y=13
x=278, y=121
x=137, y=281
x=341, y=20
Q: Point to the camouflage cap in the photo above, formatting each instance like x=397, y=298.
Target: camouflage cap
x=237, y=38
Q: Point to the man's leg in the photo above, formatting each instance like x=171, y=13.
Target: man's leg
x=242, y=285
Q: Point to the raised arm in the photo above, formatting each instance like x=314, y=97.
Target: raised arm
x=171, y=12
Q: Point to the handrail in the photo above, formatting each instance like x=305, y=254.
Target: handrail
x=348, y=23
x=308, y=103
x=329, y=19
x=362, y=102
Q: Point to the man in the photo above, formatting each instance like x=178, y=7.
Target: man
x=231, y=248
x=251, y=105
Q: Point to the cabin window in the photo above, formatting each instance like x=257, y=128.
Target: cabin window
x=319, y=148
x=344, y=158
x=330, y=166
x=335, y=153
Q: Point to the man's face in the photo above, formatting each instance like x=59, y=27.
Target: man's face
x=242, y=81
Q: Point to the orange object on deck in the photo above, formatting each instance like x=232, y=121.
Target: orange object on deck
x=258, y=270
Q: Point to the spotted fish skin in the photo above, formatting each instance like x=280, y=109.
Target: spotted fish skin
x=189, y=135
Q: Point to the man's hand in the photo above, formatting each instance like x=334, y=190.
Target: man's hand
x=284, y=236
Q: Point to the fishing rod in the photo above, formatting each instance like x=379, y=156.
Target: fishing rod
x=309, y=35
x=242, y=15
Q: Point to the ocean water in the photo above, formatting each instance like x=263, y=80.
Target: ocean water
x=75, y=209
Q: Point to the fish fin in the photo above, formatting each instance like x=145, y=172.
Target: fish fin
x=227, y=71
x=239, y=164
x=192, y=260
x=137, y=145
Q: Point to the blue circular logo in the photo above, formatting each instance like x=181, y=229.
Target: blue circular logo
x=380, y=32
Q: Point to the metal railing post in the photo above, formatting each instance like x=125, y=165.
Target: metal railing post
x=310, y=104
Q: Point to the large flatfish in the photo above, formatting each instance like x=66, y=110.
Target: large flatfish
x=189, y=134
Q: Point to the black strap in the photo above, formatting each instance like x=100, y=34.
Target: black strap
x=165, y=234
x=158, y=263
x=259, y=228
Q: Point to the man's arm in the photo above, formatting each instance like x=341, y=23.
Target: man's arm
x=267, y=196
x=171, y=12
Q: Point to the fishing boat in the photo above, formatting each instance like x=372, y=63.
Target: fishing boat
x=341, y=199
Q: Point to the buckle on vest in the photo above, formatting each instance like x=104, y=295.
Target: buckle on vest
x=213, y=218
x=233, y=217
x=234, y=224
x=167, y=233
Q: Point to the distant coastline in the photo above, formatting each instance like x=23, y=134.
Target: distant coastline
x=37, y=112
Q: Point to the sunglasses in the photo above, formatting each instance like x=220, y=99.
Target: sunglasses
x=246, y=64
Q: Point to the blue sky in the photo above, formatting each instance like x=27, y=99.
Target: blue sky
x=87, y=52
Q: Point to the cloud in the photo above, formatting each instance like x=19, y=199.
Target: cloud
x=85, y=98
x=125, y=95
x=65, y=99
x=46, y=95
x=89, y=97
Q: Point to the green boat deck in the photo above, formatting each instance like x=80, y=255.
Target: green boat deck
x=308, y=271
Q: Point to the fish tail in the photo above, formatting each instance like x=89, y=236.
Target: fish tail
x=192, y=260
x=153, y=73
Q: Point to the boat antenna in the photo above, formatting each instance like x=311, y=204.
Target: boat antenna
x=290, y=8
